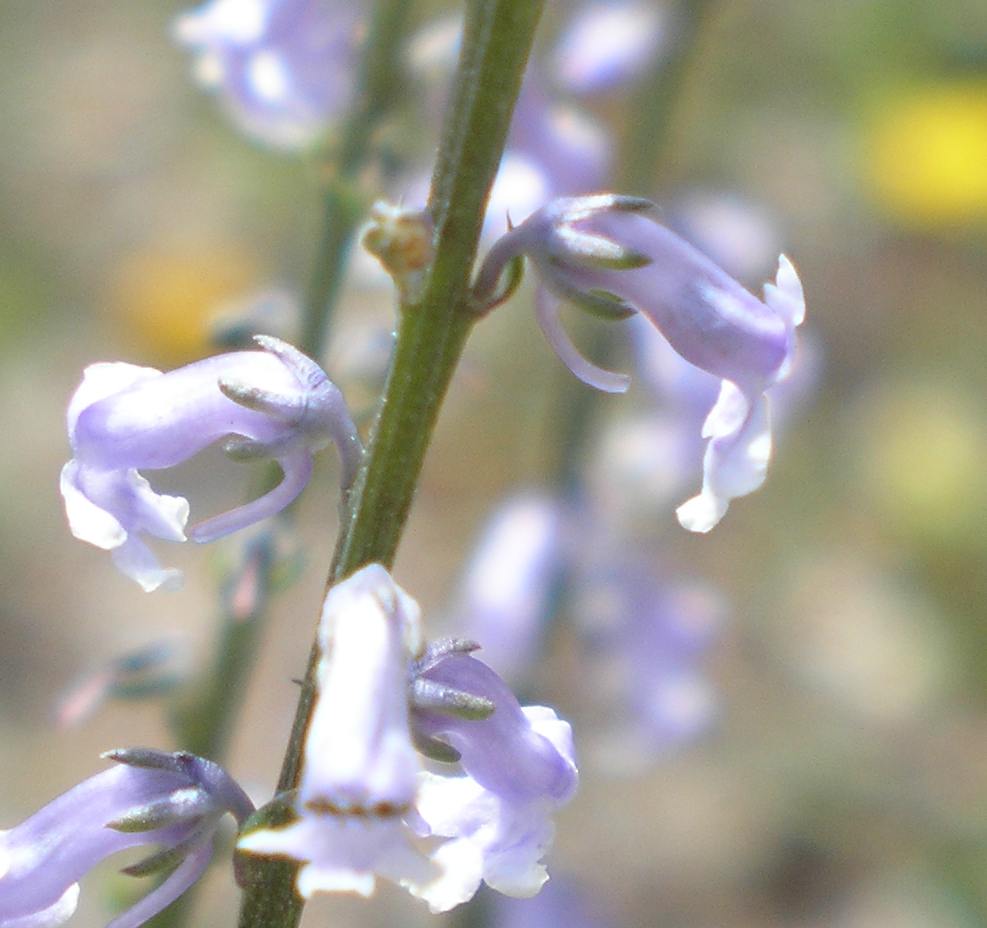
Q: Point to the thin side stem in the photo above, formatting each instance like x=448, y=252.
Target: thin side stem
x=496, y=43
x=344, y=204
x=645, y=150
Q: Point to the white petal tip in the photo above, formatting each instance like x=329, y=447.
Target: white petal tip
x=170, y=580
x=701, y=513
x=786, y=295
x=612, y=383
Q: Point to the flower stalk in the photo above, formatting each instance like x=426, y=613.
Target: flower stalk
x=344, y=204
x=432, y=332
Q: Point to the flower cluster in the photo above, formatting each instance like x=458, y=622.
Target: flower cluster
x=276, y=404
x=366, y=807
x=643, y=637
x=174, y=801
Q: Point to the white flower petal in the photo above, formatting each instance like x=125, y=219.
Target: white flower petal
x=87, y=521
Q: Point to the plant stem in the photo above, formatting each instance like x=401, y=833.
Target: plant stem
x=496, y=42
x=204, y=727
x=645, y=148
x=345, y=205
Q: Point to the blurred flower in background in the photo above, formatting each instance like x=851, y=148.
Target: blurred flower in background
x=283, y=69
x=926, y=151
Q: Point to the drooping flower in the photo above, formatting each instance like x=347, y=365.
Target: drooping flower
x=283, y=69
x=151, y=798
x=360, y=774
x=604, y=253
x=366, y=808
x=518, y=769
x=275, y=403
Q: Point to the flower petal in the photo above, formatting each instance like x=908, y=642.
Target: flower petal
x=547, y=311
x=180, y=879
x=56, y=914
x=87, y=521
x=735, y=462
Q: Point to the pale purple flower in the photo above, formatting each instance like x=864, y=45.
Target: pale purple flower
x=174, y=801
x=646, y=637
x=608, y=43
x=366, y=808
x=504, y=596
x=604, y=253
x=519, y=769
x=283, y=69
x=276, y=404
x=360, y=774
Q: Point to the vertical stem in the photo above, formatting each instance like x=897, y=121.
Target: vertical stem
x=496, y=42
x=377, y=87
x=204, y=726
x=645, y=148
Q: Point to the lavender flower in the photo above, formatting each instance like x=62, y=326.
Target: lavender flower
x=151, y=798
x=604, y=254
x=519, y=769
x=365, y=806
x=608, y=43
x=283, y=69
x=361, y=770
x=646, y=637
x=275, y=403
x=504, y=594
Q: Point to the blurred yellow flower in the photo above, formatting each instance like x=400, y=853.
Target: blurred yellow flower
x=923, y=448
x=163, y=297
x=927, y=154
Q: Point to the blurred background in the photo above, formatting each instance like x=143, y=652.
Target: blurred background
x=790, y=728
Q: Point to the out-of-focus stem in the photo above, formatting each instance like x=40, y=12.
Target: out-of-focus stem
x=644, y=161
x=344, y=204
x=496, y=42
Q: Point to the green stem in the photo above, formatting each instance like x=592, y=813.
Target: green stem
x=378, y=85
x=496, y=42
x=205, y=723
x=203, y=726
